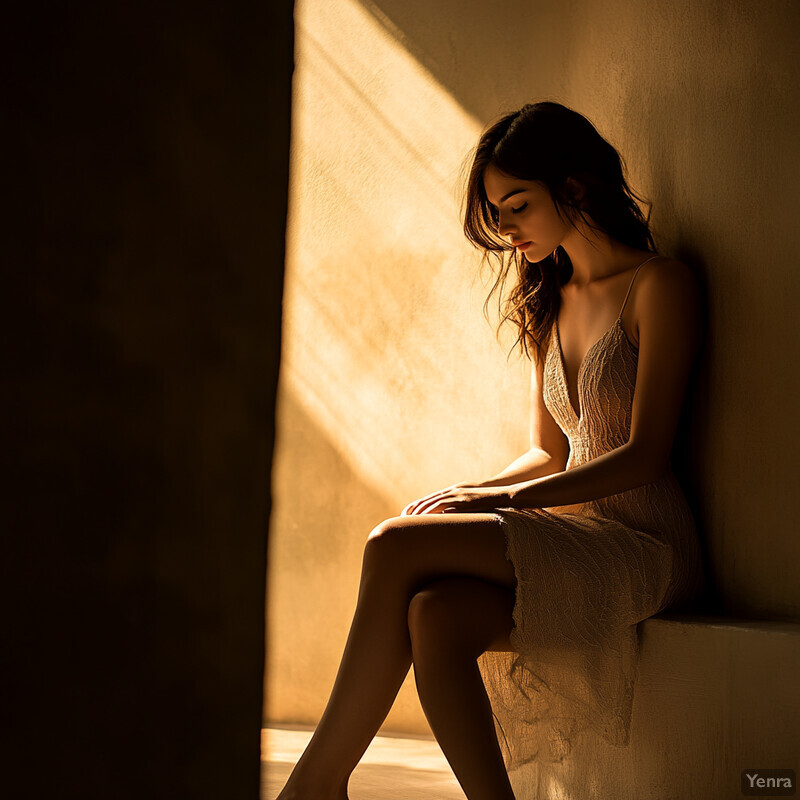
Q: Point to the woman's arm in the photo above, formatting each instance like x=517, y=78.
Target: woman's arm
x=549, y=449
x=536, y=463
x=533, y=464
x=616, y=471
x=547, y=455
x=669, y=312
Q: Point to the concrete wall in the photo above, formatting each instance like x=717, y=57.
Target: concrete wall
x=145, y=176
x=392, y=385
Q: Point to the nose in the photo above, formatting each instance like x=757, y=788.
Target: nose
x=504, y=225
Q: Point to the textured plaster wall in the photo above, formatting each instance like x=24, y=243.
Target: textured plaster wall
x=392, y=384
x=702, y=100
x=145, y=171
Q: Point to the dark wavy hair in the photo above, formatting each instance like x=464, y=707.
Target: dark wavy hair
x=548, y=142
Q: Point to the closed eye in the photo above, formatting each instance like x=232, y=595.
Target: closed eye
x=521, y=208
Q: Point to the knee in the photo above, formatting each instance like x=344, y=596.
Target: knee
x=382, y=557
x=433, y=625
x=385, y=536
x=388, y=529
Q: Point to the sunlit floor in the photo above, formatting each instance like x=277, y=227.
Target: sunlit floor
x=392, y=767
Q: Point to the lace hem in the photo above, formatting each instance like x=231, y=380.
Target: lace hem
x=583, y=583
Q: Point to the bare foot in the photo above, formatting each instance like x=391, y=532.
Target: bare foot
x=293, y=791
x=291, y=794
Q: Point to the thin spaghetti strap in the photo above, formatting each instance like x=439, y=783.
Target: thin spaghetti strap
x=630, y=286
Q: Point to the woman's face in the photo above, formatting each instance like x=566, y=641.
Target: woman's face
x=527, y=215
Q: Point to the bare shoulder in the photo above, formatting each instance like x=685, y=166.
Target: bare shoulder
x=667, y=274
x=668, y=289
x=667, y=280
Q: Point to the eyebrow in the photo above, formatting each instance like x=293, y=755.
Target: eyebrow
x=506, y=196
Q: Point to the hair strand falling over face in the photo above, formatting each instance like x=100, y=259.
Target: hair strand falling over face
x=550, y=143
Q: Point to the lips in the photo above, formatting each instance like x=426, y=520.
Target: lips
x=522, y=246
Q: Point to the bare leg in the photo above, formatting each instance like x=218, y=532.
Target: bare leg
x=453, y=621
x=376, y=660
x=401, y=556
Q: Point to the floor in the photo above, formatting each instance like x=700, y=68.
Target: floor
x=392, y=767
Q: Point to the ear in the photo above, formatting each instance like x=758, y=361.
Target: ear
x=575, y=188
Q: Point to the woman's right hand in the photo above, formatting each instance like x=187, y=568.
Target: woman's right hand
x=410, y=508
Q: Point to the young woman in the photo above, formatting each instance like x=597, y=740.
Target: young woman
x=519, y=595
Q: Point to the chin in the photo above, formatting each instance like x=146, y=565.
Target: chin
x=532, y=258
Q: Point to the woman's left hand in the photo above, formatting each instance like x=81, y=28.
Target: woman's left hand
x=461, y=499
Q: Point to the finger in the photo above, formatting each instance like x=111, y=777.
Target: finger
x=445, y=508
x=434, y=508
x=426, y=505
x=412, y=508
x=436, y=498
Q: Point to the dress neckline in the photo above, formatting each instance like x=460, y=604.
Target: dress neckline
x=617, y=325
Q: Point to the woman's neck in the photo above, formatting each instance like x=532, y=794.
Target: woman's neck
x=597, y=256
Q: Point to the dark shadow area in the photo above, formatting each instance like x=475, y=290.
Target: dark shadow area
x=690, y=457
x=146, y=173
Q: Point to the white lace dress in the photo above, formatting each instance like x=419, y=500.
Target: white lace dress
x=587, y=574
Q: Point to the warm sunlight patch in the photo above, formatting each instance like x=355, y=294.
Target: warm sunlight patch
x=378, y=270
